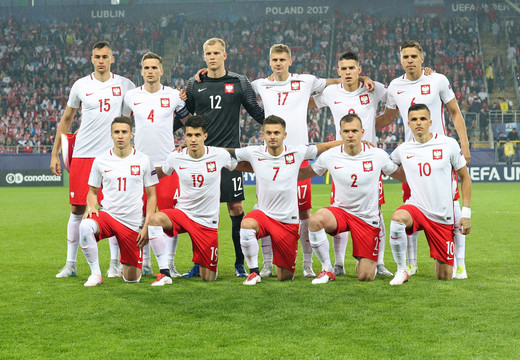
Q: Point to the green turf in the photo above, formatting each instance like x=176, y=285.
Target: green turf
x=45, y=317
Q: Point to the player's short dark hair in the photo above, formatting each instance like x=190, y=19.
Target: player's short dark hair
x=417, y=107
x=349, y=55
x=122, y=120
x=411, y=44
x=196, y=122
x=151, y=55
x=101, y=44
x=350, y=118
x=274, y=120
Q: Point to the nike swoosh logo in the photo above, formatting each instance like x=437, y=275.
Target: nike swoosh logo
x=338, y=167
x=237, y=195
x=449, y=258
x=108, y=171
x=302, y=203
x=210, y=264
x=337, y=102
x=201, y=90
x=268, y=87
x=89, y=94
x=139, y=262
x=261, y=159
x=393, y=238
x=182, y=168
x=400, y=92
x=373, y=254
x=409, y=157
x=137, y=103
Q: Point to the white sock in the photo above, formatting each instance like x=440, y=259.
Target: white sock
x=114, y=248
x=158, y=241
x=172, y=248
x=398, y=243
x=304, y=240
x=320, y=246
x=73, y=237
x=339, y=242
x=87, y=229
x=460, y=240
x=382, y=240
x=147, y=256
x=411, y=241
x=249, y=245
x=267, y=251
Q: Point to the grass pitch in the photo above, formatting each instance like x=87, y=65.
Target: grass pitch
x=45, y=317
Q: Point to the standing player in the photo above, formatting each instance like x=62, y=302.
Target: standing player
x=428, y=162
x=433, y=91
x=276, y=169
x=197, y=211
x=287, y=95
x=352, y=97
x=123, y=172
x=356, y=171
x=100, y=96
x=154, y=107
x=218, y=98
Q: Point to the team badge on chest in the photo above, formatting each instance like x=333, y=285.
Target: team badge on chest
x=116, y=90
x=367, y=166
x=165, y=102
x=135, y=170
x=437, y=154
x=229, y=88
x=365, y=100
x=295, y=85
x=211, y=166
x=289, y=159
x=425, y=89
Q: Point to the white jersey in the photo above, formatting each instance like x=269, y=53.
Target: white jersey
x=199, y=181
x=361, y=102
x=153, y=114
x=428, y=169
x=123, y=180
x=289, y=100
x=277, y=178
x=433, y=91
x=100, y=103
x=356, y=179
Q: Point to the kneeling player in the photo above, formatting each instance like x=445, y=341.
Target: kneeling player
x=428, y=162
x=123, y=172
x=276, y=169
x=197, y=211
x=355, y=169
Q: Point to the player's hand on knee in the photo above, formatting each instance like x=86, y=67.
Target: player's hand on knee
x=142, y=237
x=88, y=214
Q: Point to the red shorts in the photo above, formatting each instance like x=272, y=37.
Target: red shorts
x=440, y=236
x=167, y=192
x=304, y=191
x=365, y=238
x=284, y=238
x=78, y=180
x=126, y=238
x=204, y=240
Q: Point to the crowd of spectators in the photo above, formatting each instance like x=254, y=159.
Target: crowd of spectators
x=40, y=61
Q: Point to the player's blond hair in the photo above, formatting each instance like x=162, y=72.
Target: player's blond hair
x=280, y=48
x=151, y=55
x=411, y=44
x=214, y=41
